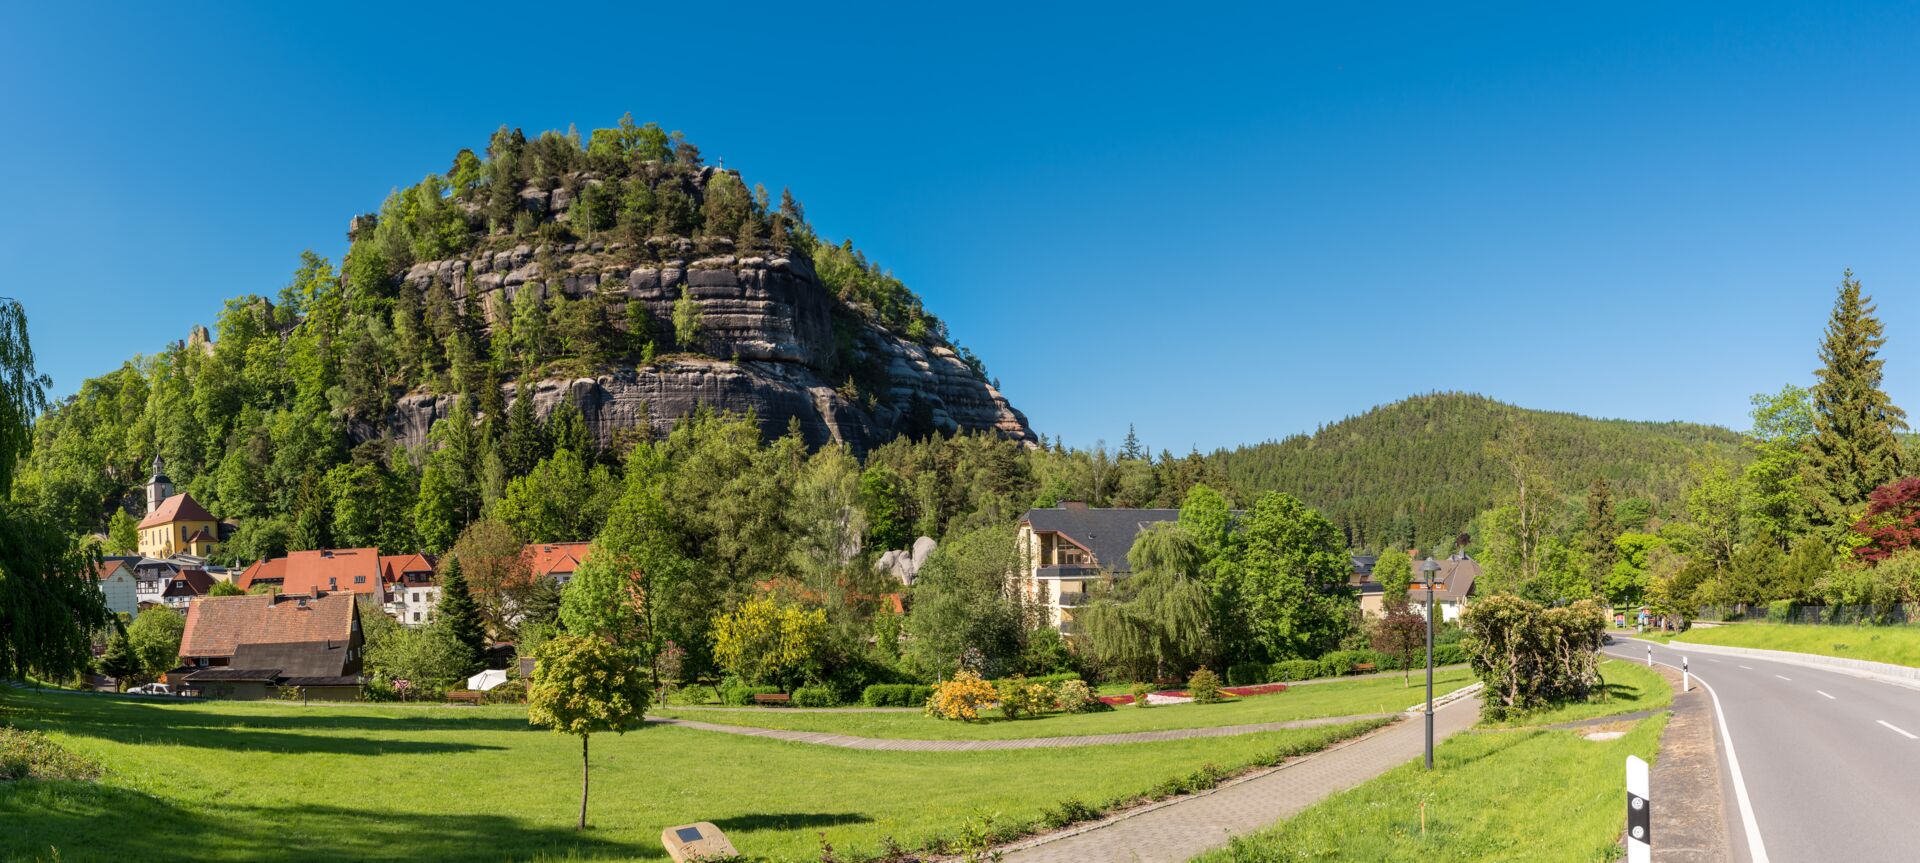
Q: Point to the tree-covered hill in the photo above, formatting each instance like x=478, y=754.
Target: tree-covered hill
x=1416, y=472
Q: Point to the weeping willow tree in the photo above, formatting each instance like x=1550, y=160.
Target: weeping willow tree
x=1156, y=623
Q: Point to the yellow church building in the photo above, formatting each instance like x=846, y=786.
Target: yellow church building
x=175, y=523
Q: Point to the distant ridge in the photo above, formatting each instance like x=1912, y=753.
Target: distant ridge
x=1416, y=471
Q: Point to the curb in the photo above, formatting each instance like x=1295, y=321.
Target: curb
x=1884, y=672
x=1467, y=691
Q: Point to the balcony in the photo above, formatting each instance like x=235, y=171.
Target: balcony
x=1072, y=600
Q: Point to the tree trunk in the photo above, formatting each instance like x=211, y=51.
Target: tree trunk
x=583, y=783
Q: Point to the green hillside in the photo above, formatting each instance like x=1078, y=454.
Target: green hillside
x=1415, y=472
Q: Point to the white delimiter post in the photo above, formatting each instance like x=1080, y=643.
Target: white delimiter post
x=1649, y=656
x=1639, y=813
x=1686, y=676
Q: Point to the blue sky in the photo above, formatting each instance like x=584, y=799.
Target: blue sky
x=1220, y=225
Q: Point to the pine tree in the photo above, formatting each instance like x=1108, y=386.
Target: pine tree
x=1131, y=449
x=461, y=617
x=1854, y=448
x=525, y=443
x=1602, y=529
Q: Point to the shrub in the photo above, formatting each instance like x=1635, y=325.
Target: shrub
x=1074, y=696
x=1448, y=654
x=961, y=698
x=1341, y=662
x=1139, y=691
x=1021, y=697
x=736, y=692
x=1780, y=610
x=31, y=755
x=510, y=692
x=1204, y=687
x=896, y=695
x=815, y=696
x=1295, y=669
x=1070, y=811
x=1529, y=655
x=1247, y=673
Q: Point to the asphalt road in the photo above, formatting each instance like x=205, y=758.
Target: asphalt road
x=1830, y=762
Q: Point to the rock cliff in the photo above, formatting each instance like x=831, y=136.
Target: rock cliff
x=770, y=343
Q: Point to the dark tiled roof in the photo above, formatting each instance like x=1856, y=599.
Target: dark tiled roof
x=1363, y=563
x=205, y=675
x=1108, y=533
x=1453, y=581
x=304, y=659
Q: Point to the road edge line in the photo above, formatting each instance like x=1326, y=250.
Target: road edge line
x=1756, y=849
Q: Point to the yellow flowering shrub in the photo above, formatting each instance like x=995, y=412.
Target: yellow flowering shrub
x=962, y=697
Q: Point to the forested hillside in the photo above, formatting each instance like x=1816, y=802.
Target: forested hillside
x=1416, y=472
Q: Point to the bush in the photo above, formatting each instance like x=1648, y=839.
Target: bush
x=1021, y=697
x=1295, y=669
x=1341, y=662
x=815, y=696
x=1448, y=654
x=896, y=695
x=31, y=755
x=736, y=692
x=1780, y=610
x=1139, y=691
x=1247, y=673
x=1070, y=811
x=1530, y=655
x=961, y=698
x=1204, y=687
x=1074, y=696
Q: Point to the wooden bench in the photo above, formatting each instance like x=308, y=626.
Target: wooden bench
x=773, y=699
x=466, y=696
x=1362, y=667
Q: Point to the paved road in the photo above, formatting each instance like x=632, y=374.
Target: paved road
x=1830, y=762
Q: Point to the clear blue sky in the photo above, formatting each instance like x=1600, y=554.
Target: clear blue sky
x=1221, y=227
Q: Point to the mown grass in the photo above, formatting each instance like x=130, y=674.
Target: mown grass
x=1631, y=687
x=230, y=781
x=1899, y=645
x=1524, y=796
x=1346, y=698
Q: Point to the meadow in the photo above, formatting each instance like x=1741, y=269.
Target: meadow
x=1899, y=645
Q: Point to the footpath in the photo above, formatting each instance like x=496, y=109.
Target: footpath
x=1176, y=830
x=902, y=744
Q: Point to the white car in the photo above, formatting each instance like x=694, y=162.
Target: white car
x=151, y=689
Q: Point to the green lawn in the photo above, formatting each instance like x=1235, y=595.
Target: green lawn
x=1899, y=645
x=269, y=781
x=1631, y=687
x=1346, y=698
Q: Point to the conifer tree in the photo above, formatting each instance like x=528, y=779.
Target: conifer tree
x=460, y=615
x=1602, y=529
x=1854, y=448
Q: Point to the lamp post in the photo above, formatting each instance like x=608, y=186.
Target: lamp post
x=1428, y=569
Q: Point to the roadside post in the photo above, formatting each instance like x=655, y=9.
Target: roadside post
x=1639, y=813
x=1686, y=676
x=1649, y=656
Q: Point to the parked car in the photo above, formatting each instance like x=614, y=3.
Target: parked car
x=152, y=689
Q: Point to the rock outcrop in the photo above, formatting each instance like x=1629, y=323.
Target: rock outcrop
x=767, y=345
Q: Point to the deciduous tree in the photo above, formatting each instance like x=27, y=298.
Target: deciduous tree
x=583, y=685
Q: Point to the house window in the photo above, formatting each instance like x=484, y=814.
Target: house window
x=359, y=579
x=416, y=617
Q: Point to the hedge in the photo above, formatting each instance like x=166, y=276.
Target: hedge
x=815, y=696
x=742, y=694
x=896, y=695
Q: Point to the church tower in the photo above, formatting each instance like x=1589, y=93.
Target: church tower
x=159, y=488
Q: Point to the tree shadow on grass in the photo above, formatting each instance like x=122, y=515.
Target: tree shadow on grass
x=191, y=723
x=790, y=821
x=77, y=821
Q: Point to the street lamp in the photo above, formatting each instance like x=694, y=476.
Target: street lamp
x=1429, y=568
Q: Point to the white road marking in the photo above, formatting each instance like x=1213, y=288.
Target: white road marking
x=1711, y=659
x=1747, y=667
x=1756, y=850
x=1829, y=697
x=1897, y=730
x=1784, y=677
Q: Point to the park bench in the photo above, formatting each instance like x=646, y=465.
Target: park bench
x=1363, y=668
x=466, y=696
x=774, y=699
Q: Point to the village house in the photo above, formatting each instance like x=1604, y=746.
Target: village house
x=1452, y=586
x=412, y=590
x=555, y=560
x=320, y=572
x=251, y=647
x=1064, y=549
x=116, y=580
x=169, y=581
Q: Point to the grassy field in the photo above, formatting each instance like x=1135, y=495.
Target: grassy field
x=1899, y=645
x=1346, y=698
x=1631, y=687
x=269, y=781
x=1527, y=796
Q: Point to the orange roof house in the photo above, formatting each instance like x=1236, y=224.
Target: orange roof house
x=555, y=560
x=237, y=646
x=321, y=571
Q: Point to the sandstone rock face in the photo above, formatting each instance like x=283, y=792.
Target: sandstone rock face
x=771, y=321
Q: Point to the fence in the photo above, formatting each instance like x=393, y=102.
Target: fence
x=1897, y=614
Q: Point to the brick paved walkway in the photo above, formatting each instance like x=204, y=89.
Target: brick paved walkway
x=1178, y=829
x=822, y=738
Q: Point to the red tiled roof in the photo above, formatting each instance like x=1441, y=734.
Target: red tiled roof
x=319, y=571
x=180, y=507
x=554, y=558
x=106, y=568
x=392, y=566
x=189, y=582
x=218, y=625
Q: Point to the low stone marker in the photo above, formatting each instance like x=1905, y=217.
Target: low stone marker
x=691, y=842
